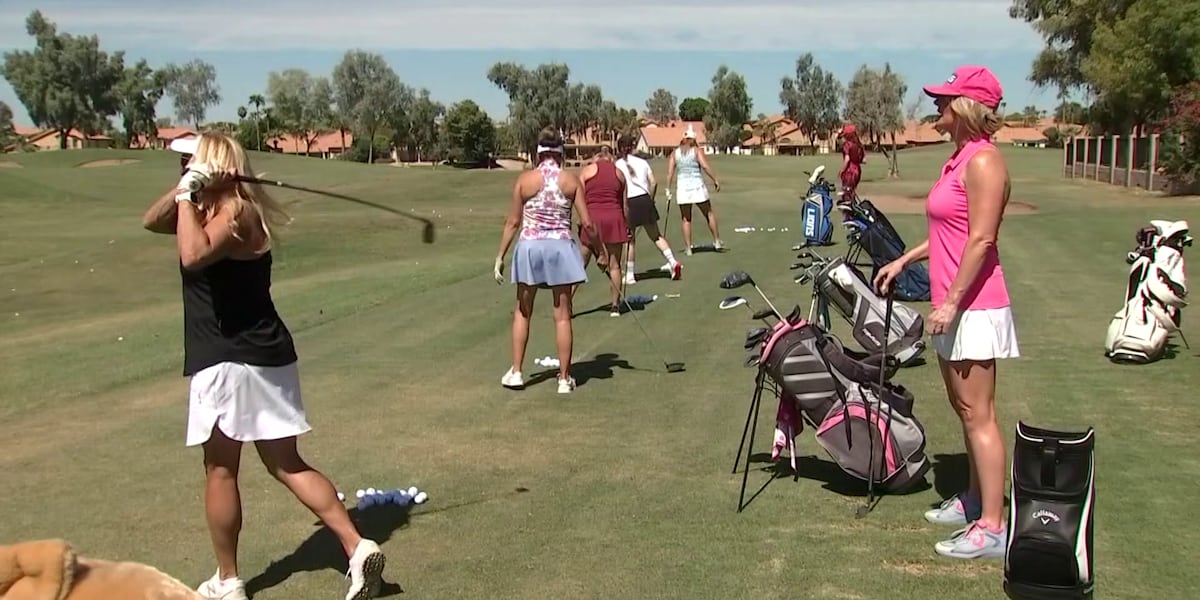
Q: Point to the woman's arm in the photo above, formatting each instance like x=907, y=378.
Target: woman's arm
x=986, y=181
x=512, y=221
x=707, y=170
x=202, y=244
x=160, y=217
x=917, y=253
x=670, y=168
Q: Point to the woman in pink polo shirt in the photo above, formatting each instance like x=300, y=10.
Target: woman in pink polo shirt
x=971, y=321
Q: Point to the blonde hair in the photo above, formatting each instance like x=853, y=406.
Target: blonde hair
x=975, y=119
x=223, y=154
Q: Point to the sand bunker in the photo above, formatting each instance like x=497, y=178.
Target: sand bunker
x=511, y=165
x=915, y=205
x=5, y=164
x=110, y=162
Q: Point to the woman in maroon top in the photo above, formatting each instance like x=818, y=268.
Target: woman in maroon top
x=853, y=157
x=604, y=188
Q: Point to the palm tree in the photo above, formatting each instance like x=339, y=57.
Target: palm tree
x=258, y=101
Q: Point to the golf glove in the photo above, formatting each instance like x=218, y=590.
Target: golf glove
x=195, y=178
x=498, y=270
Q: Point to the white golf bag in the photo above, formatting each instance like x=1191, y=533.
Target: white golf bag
x=1154, y=295
x=845, y=287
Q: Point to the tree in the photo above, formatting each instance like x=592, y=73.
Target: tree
x=537, y=98
x=728, y=109
x=425, y=116
x=366, y=91
x=303, y=104
x=1181, y=160
x=468, y=133
x=1030, y=116
x=661, y=107
x=693, y=109
x=873, y=104
x=258, y=101
x=1068, y=29
x=8, y=133
x=66, y=82
x=1136, y=61
x=193, y=88
x=140, y=90
x=812, y=98
x=1069, y=112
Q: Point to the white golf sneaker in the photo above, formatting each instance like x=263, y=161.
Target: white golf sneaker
x=222, y=589
x=366, y=571
x=566, y=386
x=512, y=380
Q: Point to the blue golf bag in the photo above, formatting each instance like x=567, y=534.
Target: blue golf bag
x=818, y=204
x=868, y=230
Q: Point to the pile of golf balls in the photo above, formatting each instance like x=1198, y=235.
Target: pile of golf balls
x=548, y=361
x=400, y=497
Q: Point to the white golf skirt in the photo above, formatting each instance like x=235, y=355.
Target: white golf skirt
x=691, y=194
x=982, y=334
x=249, y=403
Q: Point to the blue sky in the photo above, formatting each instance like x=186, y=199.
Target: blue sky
x=629, y=48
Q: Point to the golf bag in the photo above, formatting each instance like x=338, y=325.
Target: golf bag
x=845, y=287
x=818, y=204
x=869, y=430
x=1049, y=552
x=868, y=230
x=1155, y=293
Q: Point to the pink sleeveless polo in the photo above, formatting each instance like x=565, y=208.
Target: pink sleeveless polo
x=946, y=213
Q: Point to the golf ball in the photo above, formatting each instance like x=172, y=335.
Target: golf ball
x=359, y=494
x=371, y=491
x=412, y=491
x=420, y=498
x=341, y=497
x=655, y=297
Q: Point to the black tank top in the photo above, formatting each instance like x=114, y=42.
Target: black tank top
x=228, y=315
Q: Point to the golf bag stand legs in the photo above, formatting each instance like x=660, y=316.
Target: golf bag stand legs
x=866, y=508
x=1049, y=553
x=748, y=441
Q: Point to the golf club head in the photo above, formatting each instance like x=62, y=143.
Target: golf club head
x=799, y=247
x=795, y=315
x=675, y=367
x=731, y=302
x=803, y=279
x=757, y=331
x=797, y=265
x=427, y=233
x=754, y=340
x=805, y=255
x=763, y=313
x=735, y=279
x=751, y=361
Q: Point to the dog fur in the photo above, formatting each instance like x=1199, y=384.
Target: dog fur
x=51, y=570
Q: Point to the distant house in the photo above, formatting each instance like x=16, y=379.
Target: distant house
x=163, y=140
x=324, y=145
x=50, y=139
x=661, y=140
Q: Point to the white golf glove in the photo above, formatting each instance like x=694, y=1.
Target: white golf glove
x=498, y=270
x=196, y=178
x=668, y=194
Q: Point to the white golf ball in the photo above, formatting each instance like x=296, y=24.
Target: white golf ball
x=412, y=491
x=360, y=493
x=371, y=491
x=341, y=497
x=654, y=297
x=120, y=338
x=420, y=498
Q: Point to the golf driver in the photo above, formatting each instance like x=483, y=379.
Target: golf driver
x=737, y=279
x=671, y=367
x=426, y=233
x=732, y=302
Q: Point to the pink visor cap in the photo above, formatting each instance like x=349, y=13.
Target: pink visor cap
x=974, y=82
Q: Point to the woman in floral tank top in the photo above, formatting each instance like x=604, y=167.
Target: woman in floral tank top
x=546, y=255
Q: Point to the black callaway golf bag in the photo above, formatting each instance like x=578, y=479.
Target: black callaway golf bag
x=1049, y=553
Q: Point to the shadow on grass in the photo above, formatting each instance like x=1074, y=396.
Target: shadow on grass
x=951, y=475
x=322, y=550
x=827, y=472
x=603, y=366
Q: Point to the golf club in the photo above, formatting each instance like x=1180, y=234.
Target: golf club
x=671, y=367
x=737, y=279
x=732, y=302
x=426, y=234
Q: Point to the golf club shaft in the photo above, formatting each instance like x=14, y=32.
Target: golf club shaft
x=333, y=195
x=653, y=346
x=768, y=300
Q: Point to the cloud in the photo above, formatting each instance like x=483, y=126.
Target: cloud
x=785, y=25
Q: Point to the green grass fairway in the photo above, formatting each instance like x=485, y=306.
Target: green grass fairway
x=621, y=490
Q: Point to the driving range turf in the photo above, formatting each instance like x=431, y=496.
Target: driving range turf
x=620, y=490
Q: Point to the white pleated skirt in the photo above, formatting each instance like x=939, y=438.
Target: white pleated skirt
x=982, y=334
x=691, y=193
x=249, y=403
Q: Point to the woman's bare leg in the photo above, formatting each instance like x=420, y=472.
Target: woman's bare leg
x=585, y=251
x=520, y=326
x=614, y=271
x=563, y=335
x=974, y=385
x=223, y=500
x=685, y=221
x=710, y=214
x=312, y=488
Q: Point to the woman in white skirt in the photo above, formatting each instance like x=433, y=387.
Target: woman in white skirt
x=240, y=356
x=689, y=162
x=971, y=321
x=546, y=256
